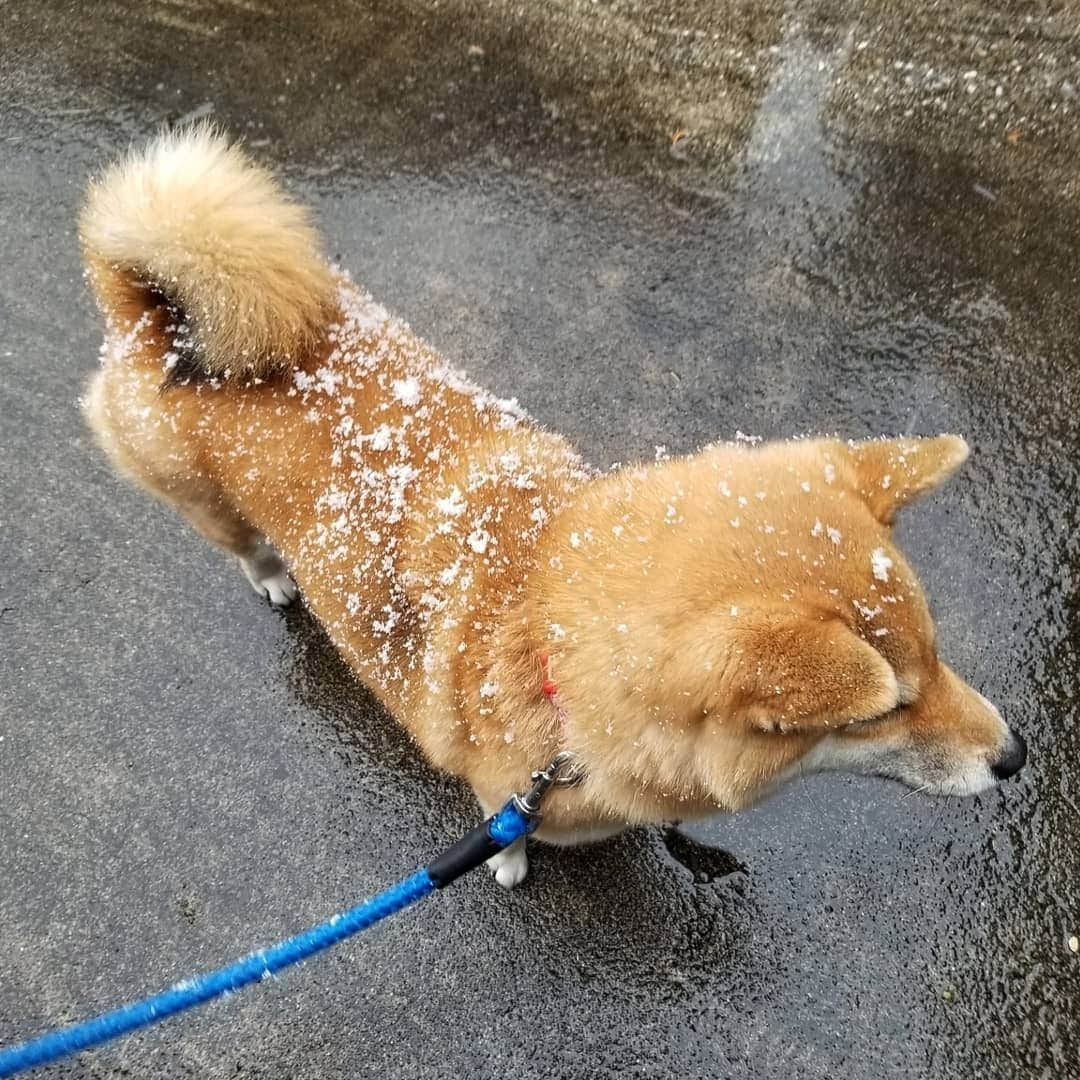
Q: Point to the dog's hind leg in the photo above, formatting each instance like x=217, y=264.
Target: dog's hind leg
x=161, y=463
x=268, y=575
x=213, y=516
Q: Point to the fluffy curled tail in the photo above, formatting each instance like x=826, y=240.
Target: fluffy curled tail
x=191, y=222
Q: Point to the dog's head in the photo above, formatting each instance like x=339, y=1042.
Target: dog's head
x=756, y=619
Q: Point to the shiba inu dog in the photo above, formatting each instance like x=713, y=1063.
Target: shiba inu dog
x=693, y=631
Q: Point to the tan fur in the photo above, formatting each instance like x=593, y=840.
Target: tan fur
x=713, y=622
x=191, y=216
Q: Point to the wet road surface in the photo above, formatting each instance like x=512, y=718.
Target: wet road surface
x=655, y=224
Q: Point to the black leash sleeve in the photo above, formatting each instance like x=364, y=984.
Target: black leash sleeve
x=474, y=848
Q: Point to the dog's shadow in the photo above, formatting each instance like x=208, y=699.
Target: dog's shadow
x=651, y=904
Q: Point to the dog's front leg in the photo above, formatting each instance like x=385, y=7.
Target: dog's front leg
x=511, y=865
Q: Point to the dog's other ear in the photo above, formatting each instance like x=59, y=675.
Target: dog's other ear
x=892, y=472
x=798, y=672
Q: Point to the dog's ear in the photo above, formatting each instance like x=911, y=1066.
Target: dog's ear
x=805, y=673
x=891, y=472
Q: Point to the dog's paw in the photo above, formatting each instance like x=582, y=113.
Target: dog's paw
x=280, y=589
x=268, y=576
x=511, y=865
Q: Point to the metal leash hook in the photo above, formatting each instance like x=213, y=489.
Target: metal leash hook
x=561, y=771
x=519, y=817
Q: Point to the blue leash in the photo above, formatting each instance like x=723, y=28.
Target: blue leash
x=519, y=817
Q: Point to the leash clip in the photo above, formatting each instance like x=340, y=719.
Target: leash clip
x=561, y=771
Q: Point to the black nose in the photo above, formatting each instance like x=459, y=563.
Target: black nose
x=1012, y=758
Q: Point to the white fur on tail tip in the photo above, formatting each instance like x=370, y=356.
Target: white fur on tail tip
x=511, y=865
x=268, y=575
x=191, y=214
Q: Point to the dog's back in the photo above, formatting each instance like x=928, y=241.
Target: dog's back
x=265, y=397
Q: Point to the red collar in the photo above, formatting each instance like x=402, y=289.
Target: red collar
x=550, y=688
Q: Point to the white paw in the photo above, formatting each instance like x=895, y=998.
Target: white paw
x=511, y=865
x=268, y=576
x=280, y=589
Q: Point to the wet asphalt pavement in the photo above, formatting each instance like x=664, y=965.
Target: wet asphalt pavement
x=655, y=224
